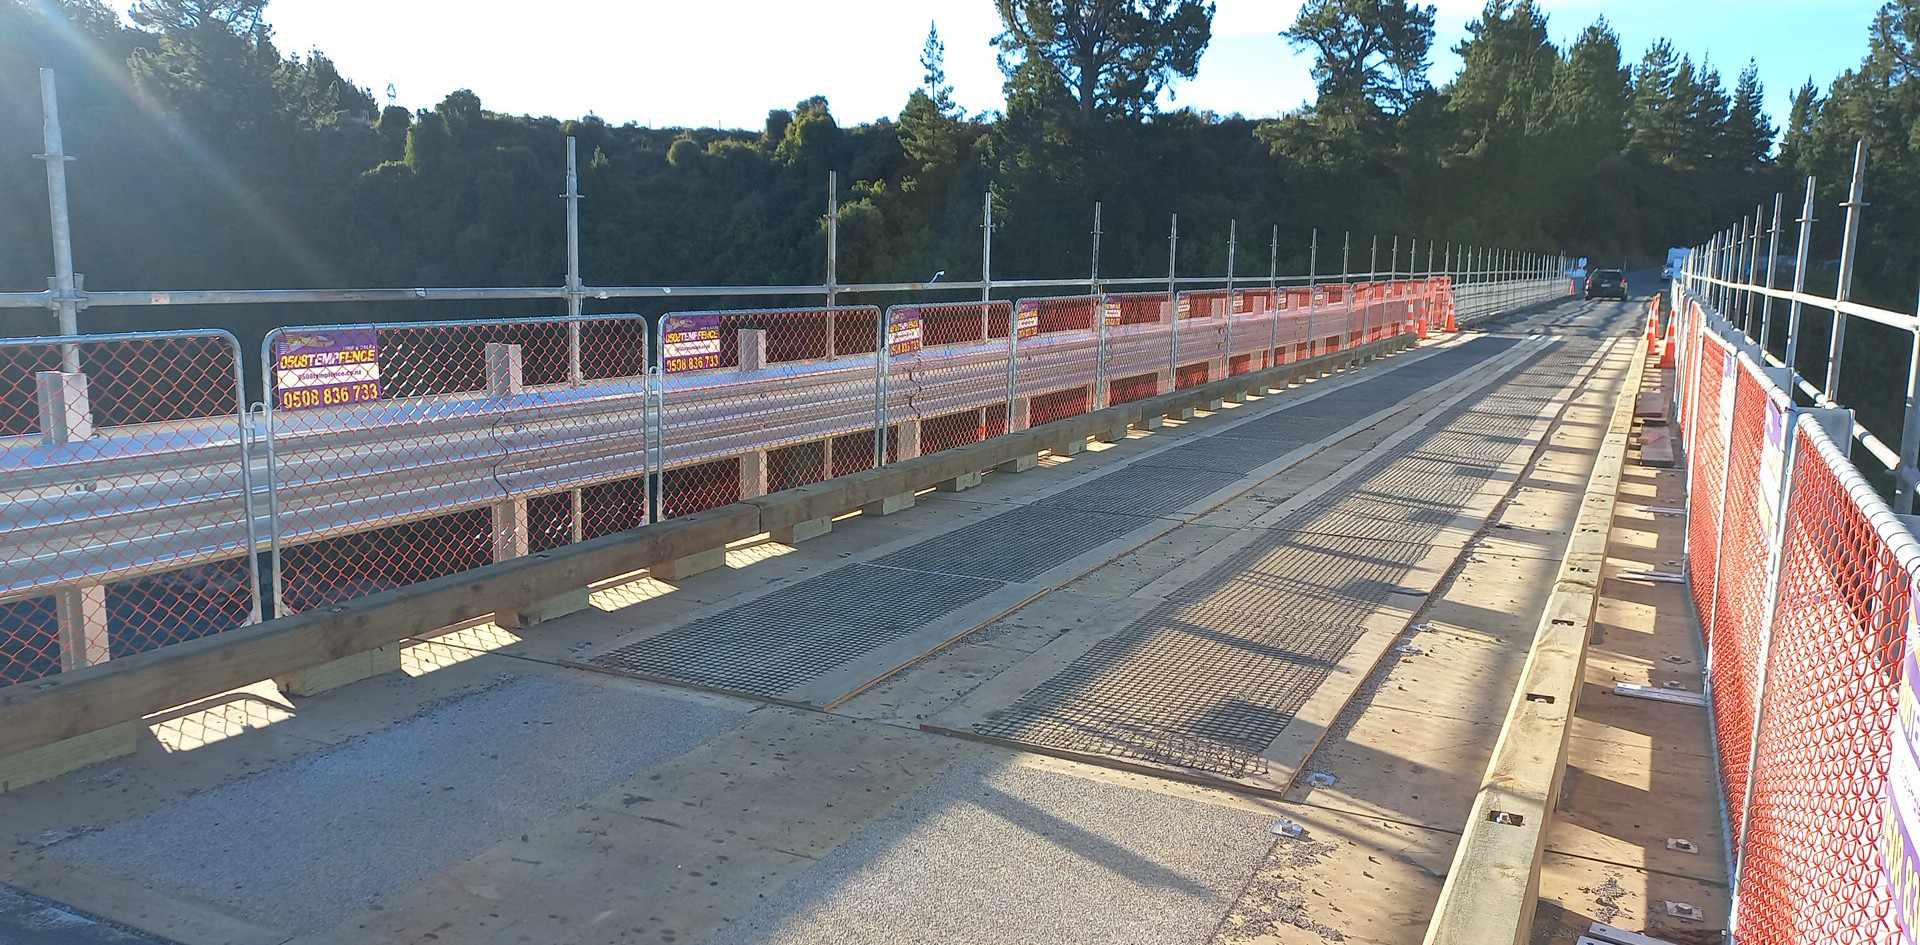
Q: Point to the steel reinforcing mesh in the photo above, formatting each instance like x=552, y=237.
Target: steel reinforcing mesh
x=1812, y=870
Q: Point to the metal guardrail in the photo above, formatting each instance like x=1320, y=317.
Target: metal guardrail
x=482, y=449
x=536, y=448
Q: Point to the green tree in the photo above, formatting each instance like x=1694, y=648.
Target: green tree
x=1749, y=131
x=1369, y=55
x=1102, y=57
x=1655, y=114
x=1507, y=66
x=1797, y=135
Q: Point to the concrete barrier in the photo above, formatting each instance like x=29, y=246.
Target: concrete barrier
x=66, y=706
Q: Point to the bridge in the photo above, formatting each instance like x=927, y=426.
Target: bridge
x=1429, y=605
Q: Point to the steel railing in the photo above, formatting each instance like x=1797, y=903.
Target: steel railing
x=488, y=439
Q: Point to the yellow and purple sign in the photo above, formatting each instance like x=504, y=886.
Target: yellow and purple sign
x=332, y=368
x=690, y=343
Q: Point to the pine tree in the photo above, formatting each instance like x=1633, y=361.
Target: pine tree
x=933, y=64
x=1749, y=132
x=1797, y=136
x=1654, y=112
x=1591, y=91
x=1369, y=55
x=1106, y=58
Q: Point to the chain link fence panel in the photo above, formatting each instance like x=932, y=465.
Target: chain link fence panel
x=125, y=497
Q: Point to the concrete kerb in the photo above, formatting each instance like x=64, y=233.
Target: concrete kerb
x=69, y=705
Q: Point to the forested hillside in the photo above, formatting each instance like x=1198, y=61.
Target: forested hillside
x=208, y=156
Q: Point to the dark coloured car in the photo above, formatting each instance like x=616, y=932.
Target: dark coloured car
x=1607, y=284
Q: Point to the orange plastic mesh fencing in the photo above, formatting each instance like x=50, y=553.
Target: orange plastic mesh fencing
x=950, y=323
x=1190, y=375
x=853, y=452
x=1137, y=308
x=617, y=505
x=1739, y=592
x=952, y=430
x=550, y=521
x=993, y=421
x=125, y=490
x=1067, y=313
x=1126, y=390
x=1203, y=303
x=792, y=334
x=29, y=640
x=1242, y=364
x=793, y=466
x=1709, y=469
x=1058, y=405
x=1812, y=869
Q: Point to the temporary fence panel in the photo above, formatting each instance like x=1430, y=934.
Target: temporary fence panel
x=952, y=387
x=1812, y=868
x=401, y=452
x=1738, y=594
x=124, y=497
x=1138, y=338
x=1201, y=348
x=1057, y=362
x=753, y=402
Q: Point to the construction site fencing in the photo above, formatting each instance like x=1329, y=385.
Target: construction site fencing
x=141, y=504
x=1803, y=581
x=124, y=497
x=400, y=452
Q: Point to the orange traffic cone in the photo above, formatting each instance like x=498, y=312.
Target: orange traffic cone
x=1666, y=350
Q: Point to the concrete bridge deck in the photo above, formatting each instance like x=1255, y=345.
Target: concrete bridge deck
x=1090, y=702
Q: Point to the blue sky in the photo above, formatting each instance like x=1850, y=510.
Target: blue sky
x=725, y=62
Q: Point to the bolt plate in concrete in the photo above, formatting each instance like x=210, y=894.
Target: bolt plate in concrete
x=773, y=644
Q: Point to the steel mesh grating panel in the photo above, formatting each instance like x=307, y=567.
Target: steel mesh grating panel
x=1192, y=686
x=794, y=635
x=1210, y=678
x=1141, y=490
x=1220, y=454
x=1287, y=427
x=1016, y=545
x=1299, y=576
